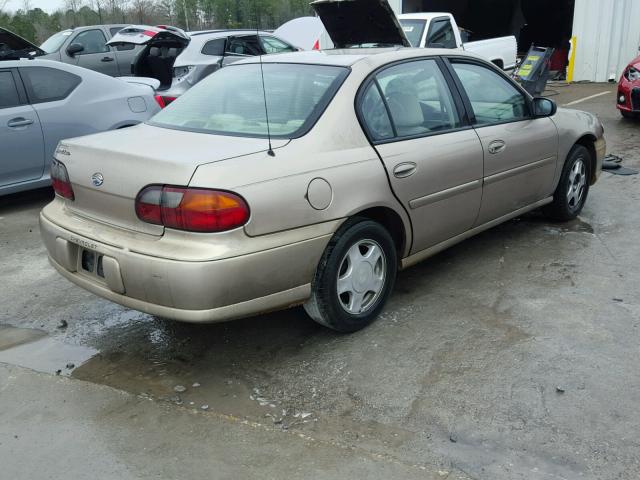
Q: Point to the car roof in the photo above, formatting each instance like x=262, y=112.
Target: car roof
x=36, y=62
x=423, y=15
x=224, y=32
x=349, y=57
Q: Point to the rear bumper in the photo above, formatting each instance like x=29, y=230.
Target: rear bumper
x=190, y=291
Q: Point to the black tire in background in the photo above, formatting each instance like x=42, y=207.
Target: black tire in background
x=375, y=263
x=573, y=187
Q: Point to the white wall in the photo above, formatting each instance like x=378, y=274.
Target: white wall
x=608, y=37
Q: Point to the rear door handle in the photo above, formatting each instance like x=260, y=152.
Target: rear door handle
x=19, y=122
x=497, y=146
x=404, y=170
x=107, y=59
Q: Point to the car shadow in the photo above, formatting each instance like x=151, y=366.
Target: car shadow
x=21, y=201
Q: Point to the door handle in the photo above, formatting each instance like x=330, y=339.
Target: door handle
x=107, y=59
x=404, y=170
x=497, y=146
x=19, y=122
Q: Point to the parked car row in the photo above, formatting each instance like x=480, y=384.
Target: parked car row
x=53, y=97
x=43, y=102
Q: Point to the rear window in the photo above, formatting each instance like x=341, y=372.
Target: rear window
x=413, y=29
x=45, y=84
x=231, y=100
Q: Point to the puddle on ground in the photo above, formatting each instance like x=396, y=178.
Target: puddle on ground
x=34, y=349
x=574, y=226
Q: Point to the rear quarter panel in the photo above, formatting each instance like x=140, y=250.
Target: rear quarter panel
x=98, y=104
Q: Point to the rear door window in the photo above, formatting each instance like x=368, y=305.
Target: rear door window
x=418, y=98
x=46, y=84
x=374, y=114
x=93, y=41
x=244, y=46
x=8, y=91
x=413, y=29
x=214, y=47
x=441, y=34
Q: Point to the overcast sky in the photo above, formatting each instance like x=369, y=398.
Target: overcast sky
x=46, y=5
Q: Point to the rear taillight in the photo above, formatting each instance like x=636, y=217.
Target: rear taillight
x=164, y=101
x=60, y=180
x=191, y=209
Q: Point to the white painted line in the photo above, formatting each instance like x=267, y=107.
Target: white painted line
x=585, y=99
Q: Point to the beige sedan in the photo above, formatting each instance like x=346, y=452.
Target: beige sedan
x=364, y=162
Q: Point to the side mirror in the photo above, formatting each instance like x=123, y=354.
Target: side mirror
x=74, y=49
x=544, y=107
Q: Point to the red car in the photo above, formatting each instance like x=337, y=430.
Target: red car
x=629, y=91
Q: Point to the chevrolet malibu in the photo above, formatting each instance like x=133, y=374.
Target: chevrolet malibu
x=314, y=187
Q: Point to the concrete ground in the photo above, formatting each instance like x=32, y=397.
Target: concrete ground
x=514, y=355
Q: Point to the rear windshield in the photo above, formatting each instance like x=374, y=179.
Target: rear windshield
x=232, y=102
x=413, y=29
x=54, y=42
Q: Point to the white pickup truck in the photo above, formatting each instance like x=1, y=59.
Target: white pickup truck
x=439, y=30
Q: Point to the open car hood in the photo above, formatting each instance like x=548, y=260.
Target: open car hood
x=13, y=47
x=353, y=23
x=145, y=35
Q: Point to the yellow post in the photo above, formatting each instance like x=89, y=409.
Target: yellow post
x=572, y=59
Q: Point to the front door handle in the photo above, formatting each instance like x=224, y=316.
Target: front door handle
x=19, y=122
x=404, y=170
x=107, y=59
x=497, y=146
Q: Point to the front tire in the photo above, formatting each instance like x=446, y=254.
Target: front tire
x=355, y=277
x=573, y=188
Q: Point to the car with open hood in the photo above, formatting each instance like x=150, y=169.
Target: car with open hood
x=14, y=47
x=43, y=101
x=629, y=90
x=179, y=60
x=310, y=178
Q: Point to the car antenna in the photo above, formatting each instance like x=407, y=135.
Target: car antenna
x=270, y=152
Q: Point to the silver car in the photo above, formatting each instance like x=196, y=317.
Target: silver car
x=179, y=59
x=43, y=101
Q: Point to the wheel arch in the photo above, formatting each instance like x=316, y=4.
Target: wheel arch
x=589, y=142
x=397, y=227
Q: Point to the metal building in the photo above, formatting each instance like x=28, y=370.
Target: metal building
x=607, y=38
x=599, y=36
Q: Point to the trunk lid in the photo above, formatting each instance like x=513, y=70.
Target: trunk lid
x=352, y=23
x=148, y=35
x=14, y=47
x=108, y=170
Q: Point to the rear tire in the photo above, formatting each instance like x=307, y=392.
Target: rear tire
x=354, y=278
x=573, y=188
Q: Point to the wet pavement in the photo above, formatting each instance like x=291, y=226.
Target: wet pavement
x=512, y=355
